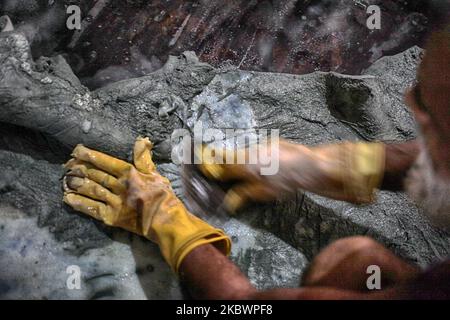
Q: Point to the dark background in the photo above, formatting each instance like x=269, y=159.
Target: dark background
x=123, y=38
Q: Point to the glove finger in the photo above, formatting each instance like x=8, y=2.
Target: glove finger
x=74, y=162
x=95, y=209
x=83, y=169
x=93, y=190
x=143, y=156
x=111, y=165
x=223, y=166
x=241, y=194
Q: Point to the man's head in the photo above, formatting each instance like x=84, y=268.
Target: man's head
x=430, y=100
x=429, y=180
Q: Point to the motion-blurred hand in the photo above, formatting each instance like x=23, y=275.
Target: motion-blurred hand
x=347, y=171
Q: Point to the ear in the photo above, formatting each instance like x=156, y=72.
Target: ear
x=422, y=118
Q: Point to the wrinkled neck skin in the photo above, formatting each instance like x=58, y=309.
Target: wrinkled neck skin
x=429, y=190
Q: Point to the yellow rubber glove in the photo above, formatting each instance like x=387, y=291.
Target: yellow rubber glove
x=138, y=199
x=347, y=171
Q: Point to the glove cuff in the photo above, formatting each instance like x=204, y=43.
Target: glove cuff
x=364, y=170
x=215, y=237
x=178, y=232
x=348, y=171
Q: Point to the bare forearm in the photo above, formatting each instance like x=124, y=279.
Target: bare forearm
x=208, y=274
x=399, y=159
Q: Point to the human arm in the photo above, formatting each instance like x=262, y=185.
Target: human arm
x=349, y=171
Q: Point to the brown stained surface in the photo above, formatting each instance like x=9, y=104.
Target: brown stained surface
x=131, y=38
